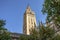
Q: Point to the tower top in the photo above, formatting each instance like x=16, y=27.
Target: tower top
x=28, y=6
x=28, y=10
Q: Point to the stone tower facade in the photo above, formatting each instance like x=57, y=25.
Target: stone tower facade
x=29, y=21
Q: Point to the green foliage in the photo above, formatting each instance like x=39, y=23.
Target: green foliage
x=23, y=37
x=52, y=9
x=4, y=34
x=44, y=33
x=2, y=23
x=34, y=34
x=57, y=37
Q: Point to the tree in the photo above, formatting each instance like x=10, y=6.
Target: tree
x=22, y=38
x=34, y=34
x=57, y=37
x=45, y=32
x=42, y=33
x=4, y=34
x=52, y=9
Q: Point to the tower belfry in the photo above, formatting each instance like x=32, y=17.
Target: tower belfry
x=29, y=20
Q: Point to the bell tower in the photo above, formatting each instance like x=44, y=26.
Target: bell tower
x=29, y=20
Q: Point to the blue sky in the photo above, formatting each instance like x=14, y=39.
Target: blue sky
x=12, y=11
